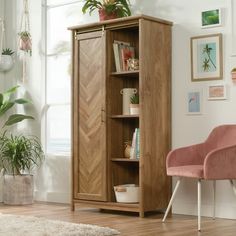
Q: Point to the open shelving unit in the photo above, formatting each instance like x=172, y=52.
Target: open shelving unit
x=99, y=127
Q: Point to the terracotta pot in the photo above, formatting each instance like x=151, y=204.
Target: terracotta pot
x=25, y=44
x=103, y=15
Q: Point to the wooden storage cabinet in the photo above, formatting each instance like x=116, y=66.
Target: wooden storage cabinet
x=99, y=128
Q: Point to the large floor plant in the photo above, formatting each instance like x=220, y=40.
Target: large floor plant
x=18, y=153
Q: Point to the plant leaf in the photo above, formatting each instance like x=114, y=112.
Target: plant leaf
x=22, y=101
x=13, y=119
x=5, y=107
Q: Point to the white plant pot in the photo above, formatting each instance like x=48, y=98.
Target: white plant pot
x=127, y=94
x=6, y=63
x=18, y=189
x=134, y=109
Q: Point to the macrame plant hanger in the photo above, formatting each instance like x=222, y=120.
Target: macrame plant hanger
x=25, y=41
x=2, y=30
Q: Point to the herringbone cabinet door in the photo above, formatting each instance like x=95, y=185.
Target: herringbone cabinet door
x=91, y=160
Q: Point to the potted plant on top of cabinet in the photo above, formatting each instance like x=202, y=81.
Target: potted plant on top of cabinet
x=108, y=9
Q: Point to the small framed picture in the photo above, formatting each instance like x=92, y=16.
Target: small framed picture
x=217, y=92
x=206, y=58
x=211, y=18
x=194, y=103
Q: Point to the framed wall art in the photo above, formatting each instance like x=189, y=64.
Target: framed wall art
x=206, y=57
x=217, y=92
x=194, y=103
x=211, y=18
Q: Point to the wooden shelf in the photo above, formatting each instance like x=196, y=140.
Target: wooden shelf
x=124, y=116
x=124, y=160
x=126, y=73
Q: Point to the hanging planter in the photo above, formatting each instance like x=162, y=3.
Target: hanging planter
x=25, y=43
x=6, y=61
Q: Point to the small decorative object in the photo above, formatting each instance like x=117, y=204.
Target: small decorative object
x=108, y=9
x=194, y=103
x=18, y=182
x=6, y=61
x=211, y=18
x=25, y=43
x=206, y=57
x=127, y=149
x=217, y=92
x=127, y=93
x=133, y=64
x=134, y=104
x=233, y=73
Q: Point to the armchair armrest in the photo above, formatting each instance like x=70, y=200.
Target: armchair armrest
x=221, y=163
x=191, y=155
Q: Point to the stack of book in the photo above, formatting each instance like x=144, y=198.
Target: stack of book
x=122, y=52
x=135, y=149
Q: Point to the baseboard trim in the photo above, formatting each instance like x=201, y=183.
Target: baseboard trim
x=54, y=197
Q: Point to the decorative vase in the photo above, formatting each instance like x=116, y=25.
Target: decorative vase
x=18, y=189
x=134, y=109
x=127, y=94
x=6, y=63
x=103, y=15
x=127, y=149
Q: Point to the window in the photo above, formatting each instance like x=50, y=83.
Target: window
x=59, y=14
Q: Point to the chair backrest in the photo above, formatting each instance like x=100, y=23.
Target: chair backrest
x=222, y=136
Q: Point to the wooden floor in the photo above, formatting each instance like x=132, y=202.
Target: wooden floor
x=128, y=224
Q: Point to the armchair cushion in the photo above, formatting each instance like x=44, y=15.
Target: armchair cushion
x=192, y=171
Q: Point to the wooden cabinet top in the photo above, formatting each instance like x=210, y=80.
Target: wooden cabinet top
x=116, y=22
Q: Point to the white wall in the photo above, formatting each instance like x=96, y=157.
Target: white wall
x=193, y=129
x=53, y=181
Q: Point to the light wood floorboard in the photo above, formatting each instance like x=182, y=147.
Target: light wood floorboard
x=127, y=223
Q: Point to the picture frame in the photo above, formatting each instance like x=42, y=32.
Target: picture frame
x=206, y=58
x=233, y=30
x=211, y=18
x=217, y=92
x=194, y=102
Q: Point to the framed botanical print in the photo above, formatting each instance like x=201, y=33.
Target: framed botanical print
x=211, y=18
x=206, y=57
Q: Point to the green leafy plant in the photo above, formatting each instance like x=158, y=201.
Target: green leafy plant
x=25, y=34
x=7, y=51
x=134, y=99
x=20, y=154
x=7, y=102
x=120, y=7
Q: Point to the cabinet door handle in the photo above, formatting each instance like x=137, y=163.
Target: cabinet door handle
x=103, y=115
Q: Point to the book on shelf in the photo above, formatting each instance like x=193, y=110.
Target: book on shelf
x=122, y=52
x=135, y=148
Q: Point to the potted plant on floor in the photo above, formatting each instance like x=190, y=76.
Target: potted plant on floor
x=108, y=9
x=7, y=103
x=134, y=104
x=6, y=61
x=19, y=155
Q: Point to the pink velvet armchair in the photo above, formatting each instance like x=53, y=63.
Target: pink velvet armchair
x=215, y=159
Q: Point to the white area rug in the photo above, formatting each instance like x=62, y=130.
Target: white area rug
x=12, y=225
